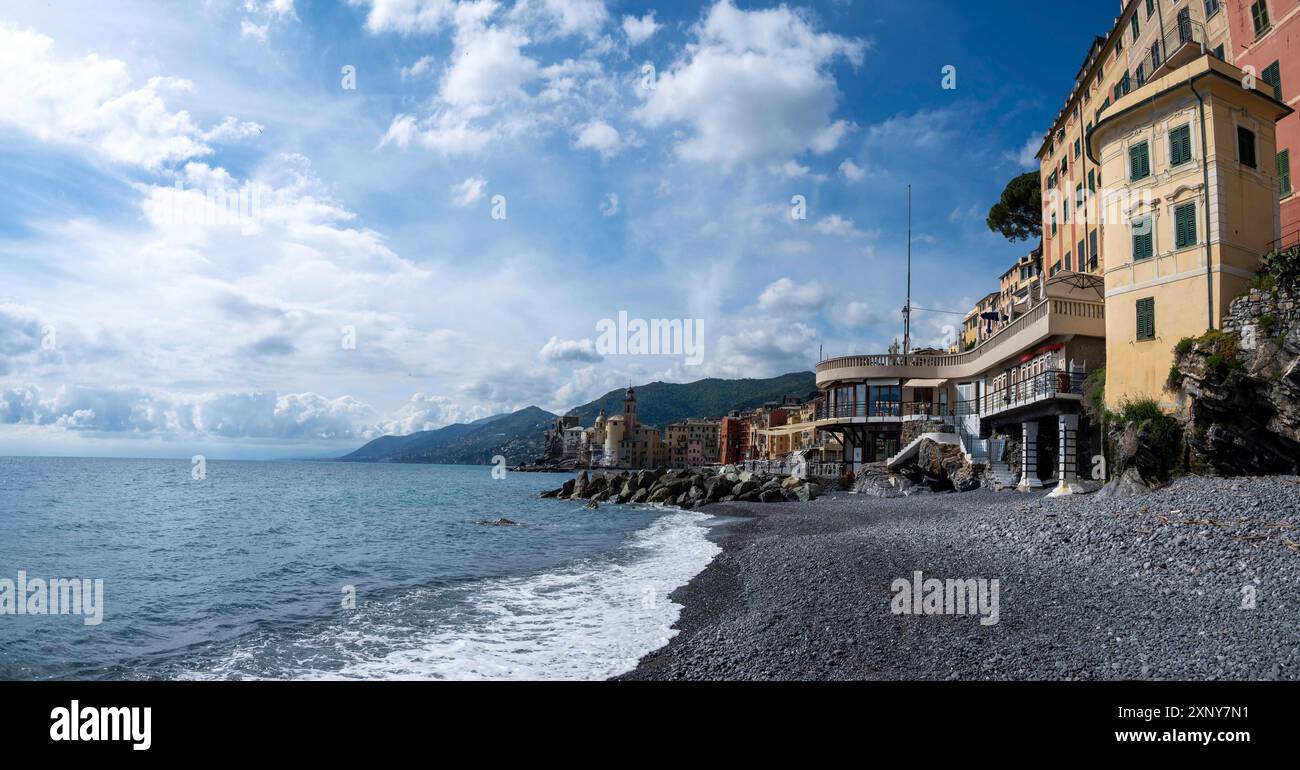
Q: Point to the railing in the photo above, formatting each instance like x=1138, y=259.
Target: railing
x=1054, y=305
x=859, y=409
x=1049, y=384
x=1289, y=239
x=801, y=468
x=1183, y=32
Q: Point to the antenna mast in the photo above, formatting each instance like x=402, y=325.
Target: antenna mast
x=907, y=310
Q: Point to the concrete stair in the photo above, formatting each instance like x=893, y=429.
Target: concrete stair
x=1002, y=476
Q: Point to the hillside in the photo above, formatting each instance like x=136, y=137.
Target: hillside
x=660, y=403
x=519, y=436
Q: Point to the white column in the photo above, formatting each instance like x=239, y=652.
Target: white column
x=1068, y=456
x=1029, y=457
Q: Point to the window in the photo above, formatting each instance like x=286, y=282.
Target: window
x=1259, y=13
x=1272, y=75
x=1284, y=172
x=1092, y=251
x=1076, y=147
x=1067, y=261
x=1141, y=74
x=1211, y=8
x=1155, y=57
x=1092, y=181
x=1146, y=318
x=1184, y=225
x=1053, y=224
x=1139, y=159
x=1065, y=166
x=1142, y=239
x=1218, y=52
x=1056, y=268
x=1065, y=211
x=1137, y=28
x=1080, y=252
x=1078, y=196
x=1246, y=146
x=1180, y=145
x=1151, y=8
x=1126, y=83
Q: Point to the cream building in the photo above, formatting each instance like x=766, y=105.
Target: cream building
x=1192, y=201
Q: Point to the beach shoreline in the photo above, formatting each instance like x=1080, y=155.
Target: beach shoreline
x=1150, y=587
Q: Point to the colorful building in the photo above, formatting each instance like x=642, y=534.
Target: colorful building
x=1193, y=159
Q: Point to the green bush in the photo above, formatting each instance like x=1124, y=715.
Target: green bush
x=1175, y=379
x=1184, y=346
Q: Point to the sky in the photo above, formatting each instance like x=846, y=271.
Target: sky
x=442, y=201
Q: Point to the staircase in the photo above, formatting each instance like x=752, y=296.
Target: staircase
x=1002, y=476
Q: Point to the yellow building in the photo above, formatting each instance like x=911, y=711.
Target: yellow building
x=975, y=329
x=1190, y=158
x=1149, y=38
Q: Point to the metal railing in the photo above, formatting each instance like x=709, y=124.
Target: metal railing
x=1048, y=384
x=1173, y=38
x=1290, y=239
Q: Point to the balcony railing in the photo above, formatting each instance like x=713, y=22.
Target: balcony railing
x=1179, y=43
x=1040, y=387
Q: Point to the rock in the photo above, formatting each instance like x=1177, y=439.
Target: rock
x=965, y=479
x=806, y=492
x=591, y=504
x=549, y=493
x=566, y=490
x=744, y=487
x=596, y=485
x=772, y=495
x=503, y=522
x=1129, y=484
x=640, y=495
x=580, y=485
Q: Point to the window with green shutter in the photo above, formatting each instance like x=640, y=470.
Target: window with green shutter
x=1259, y=14
x=1092, y=181
x=1143, y=239
x=1078, y=196
x=1272, y=75
x=1146, y=318
x=1185, y=225
x=1284, y=172
x=1151, y=8
x=1137, y=30
x=1180, y=145
x=1246, y=146
x=1139, y=157
x=1092, y=250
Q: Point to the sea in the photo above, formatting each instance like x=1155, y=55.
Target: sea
x=331, y=570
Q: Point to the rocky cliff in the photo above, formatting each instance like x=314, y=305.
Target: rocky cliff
x=1240, y=387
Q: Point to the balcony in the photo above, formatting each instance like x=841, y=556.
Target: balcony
x=1046, y=386
x=1073, y=307
x=1178, y=44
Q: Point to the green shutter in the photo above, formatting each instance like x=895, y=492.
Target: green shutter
x=1272, y=75
x=1136, y=28
x=1180, y=145
x=1142, y=239
x=1139, y=161
x=1185, y=225
x=1284, y=172
x=1146, y=318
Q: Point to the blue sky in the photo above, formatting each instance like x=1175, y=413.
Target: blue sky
x=127, y=330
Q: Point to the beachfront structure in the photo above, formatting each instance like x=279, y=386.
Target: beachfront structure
x=1191, y=161
x=1023, y=385
x=692, y=443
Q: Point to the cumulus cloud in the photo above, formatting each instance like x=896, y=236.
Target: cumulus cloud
x=753, y=86
x=599, y=136
x=639, y=30
x=609, y=204
x=557, y=349
x=838, y=226
x=852, y=171
x=783, y=297
x=91, y=101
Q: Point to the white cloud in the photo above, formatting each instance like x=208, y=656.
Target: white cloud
x=640, y=30
x=753, y=86
x=407, y=16
x=468, y=191
x=422, y=66
x=1027, y=156
x=599, y=136
x=609, y=204
x=838, y=226
x=90, y=101
x=852, y=171
x=784, y=297
x=256, y=31
x=557, y=349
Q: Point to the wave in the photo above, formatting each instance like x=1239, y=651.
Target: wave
x=590, y=619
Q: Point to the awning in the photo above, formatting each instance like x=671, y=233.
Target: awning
x=923, y=383
x=786, y=430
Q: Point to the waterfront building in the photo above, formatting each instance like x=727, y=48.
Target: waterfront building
x=1192, y=156
x=1023, y=386
x=692, y=443
x=733, y=438
x=975, y=327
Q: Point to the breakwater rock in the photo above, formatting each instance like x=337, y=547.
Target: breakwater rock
x=684, y=487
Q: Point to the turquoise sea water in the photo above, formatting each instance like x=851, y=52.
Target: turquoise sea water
x=245, y=573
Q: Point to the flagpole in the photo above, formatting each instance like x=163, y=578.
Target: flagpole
x=907, y=311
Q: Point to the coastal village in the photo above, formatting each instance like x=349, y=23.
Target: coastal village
x=1166, y=257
